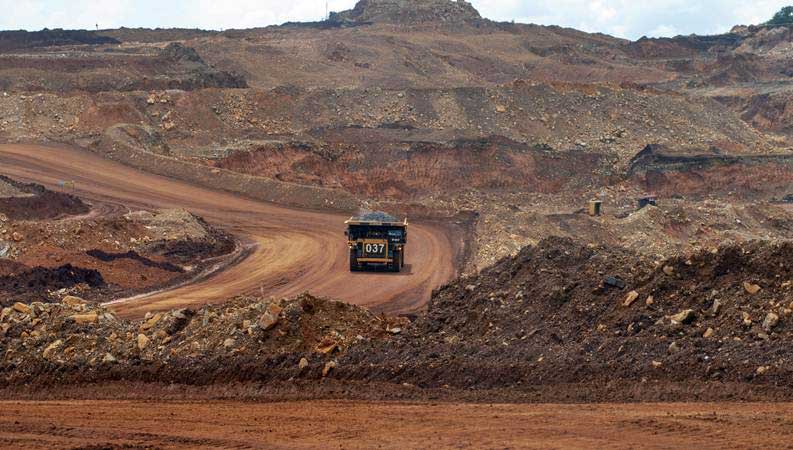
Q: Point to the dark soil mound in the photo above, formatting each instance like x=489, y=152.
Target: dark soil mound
x=43, y=204
x=15, y=40
x=217, y=243
x=135, y=256
x=179, y=52
x=550, y=316
x=31, y=284
x=11, y=267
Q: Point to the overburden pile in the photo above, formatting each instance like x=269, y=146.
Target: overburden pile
x=556, y=314
x=242, y=340
x=561, y=312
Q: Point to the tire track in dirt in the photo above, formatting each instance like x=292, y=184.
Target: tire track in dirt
x=398, y=425
x=295, y=250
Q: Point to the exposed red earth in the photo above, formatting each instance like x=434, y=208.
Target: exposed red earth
x=156, y=301
x=291, y=251
x=346, y=424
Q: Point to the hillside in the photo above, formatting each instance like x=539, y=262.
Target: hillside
x=405, y=224
x=420, y=107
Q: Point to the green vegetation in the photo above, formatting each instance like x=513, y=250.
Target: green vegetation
x=783, y=17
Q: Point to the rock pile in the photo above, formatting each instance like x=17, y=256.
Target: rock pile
x=179, y=234
x=248, y=338
x=408, y=11
x=27, y=201
x=559, y=313
x=555, y=314
x=8, y=189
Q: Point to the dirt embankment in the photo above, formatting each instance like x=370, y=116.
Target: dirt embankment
x=559, y=320
x=410, y=170
x=122, y=143
x=563, y=313
x=18, y=40
x=246, y=339
x=53, y=244
x=697, y=173
x=204, y=124
x=34, y=202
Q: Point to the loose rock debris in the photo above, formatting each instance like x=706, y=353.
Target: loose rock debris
x=540, y=318
x=515, y=328
x=96, y=251
x=75, y=340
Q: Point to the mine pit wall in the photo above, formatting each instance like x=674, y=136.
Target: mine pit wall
x=287, y=194
x=97, y=75
x=195, y=118
x=768, y=177
x=58, y=61
x=765, y=111
x=411, y=170
x=771, y=112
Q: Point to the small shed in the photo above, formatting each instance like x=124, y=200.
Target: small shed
x=595, y=207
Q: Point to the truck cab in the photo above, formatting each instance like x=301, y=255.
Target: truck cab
x=376, y=241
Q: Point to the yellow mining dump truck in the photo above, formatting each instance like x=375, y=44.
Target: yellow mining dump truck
x=377, y=241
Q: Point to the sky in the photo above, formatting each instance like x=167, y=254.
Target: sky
x=622, y=18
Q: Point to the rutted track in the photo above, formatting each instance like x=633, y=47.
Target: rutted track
x=295, y=250
x=355, y=424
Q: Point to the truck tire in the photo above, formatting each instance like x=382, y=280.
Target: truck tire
x=397, y=264
x=353, y=263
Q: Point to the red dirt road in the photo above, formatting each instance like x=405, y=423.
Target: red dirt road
x=295, y=250
x=347, y=424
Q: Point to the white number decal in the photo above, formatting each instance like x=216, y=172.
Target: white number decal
x=374, y=248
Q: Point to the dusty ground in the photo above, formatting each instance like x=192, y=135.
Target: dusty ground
x=343, y=424
x=442, y=119
x=292, y=251
x=53, y=244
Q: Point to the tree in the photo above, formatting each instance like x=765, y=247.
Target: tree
x=783, y=17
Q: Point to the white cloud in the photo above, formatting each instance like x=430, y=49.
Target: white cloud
x=35, y=15
x=623, y=18
x=663, y=30
x=633, y=19
x=256, y=13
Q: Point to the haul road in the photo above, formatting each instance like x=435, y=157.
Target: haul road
x=292, y=250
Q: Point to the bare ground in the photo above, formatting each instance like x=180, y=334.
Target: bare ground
x=293, y=250
x=355, y=424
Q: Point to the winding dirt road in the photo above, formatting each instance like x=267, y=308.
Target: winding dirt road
x=293, y=250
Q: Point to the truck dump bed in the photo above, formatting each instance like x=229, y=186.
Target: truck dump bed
x=377, y=219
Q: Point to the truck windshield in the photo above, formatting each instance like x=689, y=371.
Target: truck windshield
x=363, y=231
